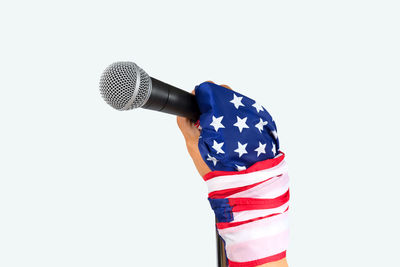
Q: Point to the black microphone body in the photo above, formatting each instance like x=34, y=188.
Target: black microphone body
x=169, y=99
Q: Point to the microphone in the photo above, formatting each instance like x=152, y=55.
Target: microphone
x=125, y=86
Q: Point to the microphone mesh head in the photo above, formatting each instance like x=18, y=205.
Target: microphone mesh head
x=124, y=85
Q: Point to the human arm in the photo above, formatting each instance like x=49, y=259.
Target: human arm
x=191, y=135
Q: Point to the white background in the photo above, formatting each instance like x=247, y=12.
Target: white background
x=84, y=185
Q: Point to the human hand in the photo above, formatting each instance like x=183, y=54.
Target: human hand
x=191, y=135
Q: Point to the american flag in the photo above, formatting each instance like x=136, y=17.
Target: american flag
x=251, y=207
x=249, y=183
x=236, y=131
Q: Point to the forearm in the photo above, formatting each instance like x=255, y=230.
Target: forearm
x=203, y=169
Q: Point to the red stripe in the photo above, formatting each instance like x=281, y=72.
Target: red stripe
x=258, y=262
x=224, y=225
x=241, y=204
x=258, y=166
x=230, y=191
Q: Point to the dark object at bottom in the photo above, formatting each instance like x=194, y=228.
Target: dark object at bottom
x=221, y=257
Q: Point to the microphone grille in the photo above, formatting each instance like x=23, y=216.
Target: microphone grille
x=124, y=85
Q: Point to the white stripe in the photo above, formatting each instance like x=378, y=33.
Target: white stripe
x=239, y=180
x=273, y=188
x=258, y=249
x=254, y=230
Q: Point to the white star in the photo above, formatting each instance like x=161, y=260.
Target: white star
x=273, y=149
x=216, y=123
x=257, y=106
x=260, y=125
x=241, y=123
x=218, y=147
x=214, y=160
x=240, y=168
x=241, y=149
x=260, y=149
x=237, y=101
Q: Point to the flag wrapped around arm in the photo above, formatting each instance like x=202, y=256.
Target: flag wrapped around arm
x=248, y=185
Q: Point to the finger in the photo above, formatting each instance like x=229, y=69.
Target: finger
x=184, y=124
x=181, y=123
x=210, y=82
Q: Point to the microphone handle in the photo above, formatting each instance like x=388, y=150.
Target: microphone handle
x=169, y=99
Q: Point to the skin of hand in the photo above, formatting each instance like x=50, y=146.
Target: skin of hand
x=191, y=134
